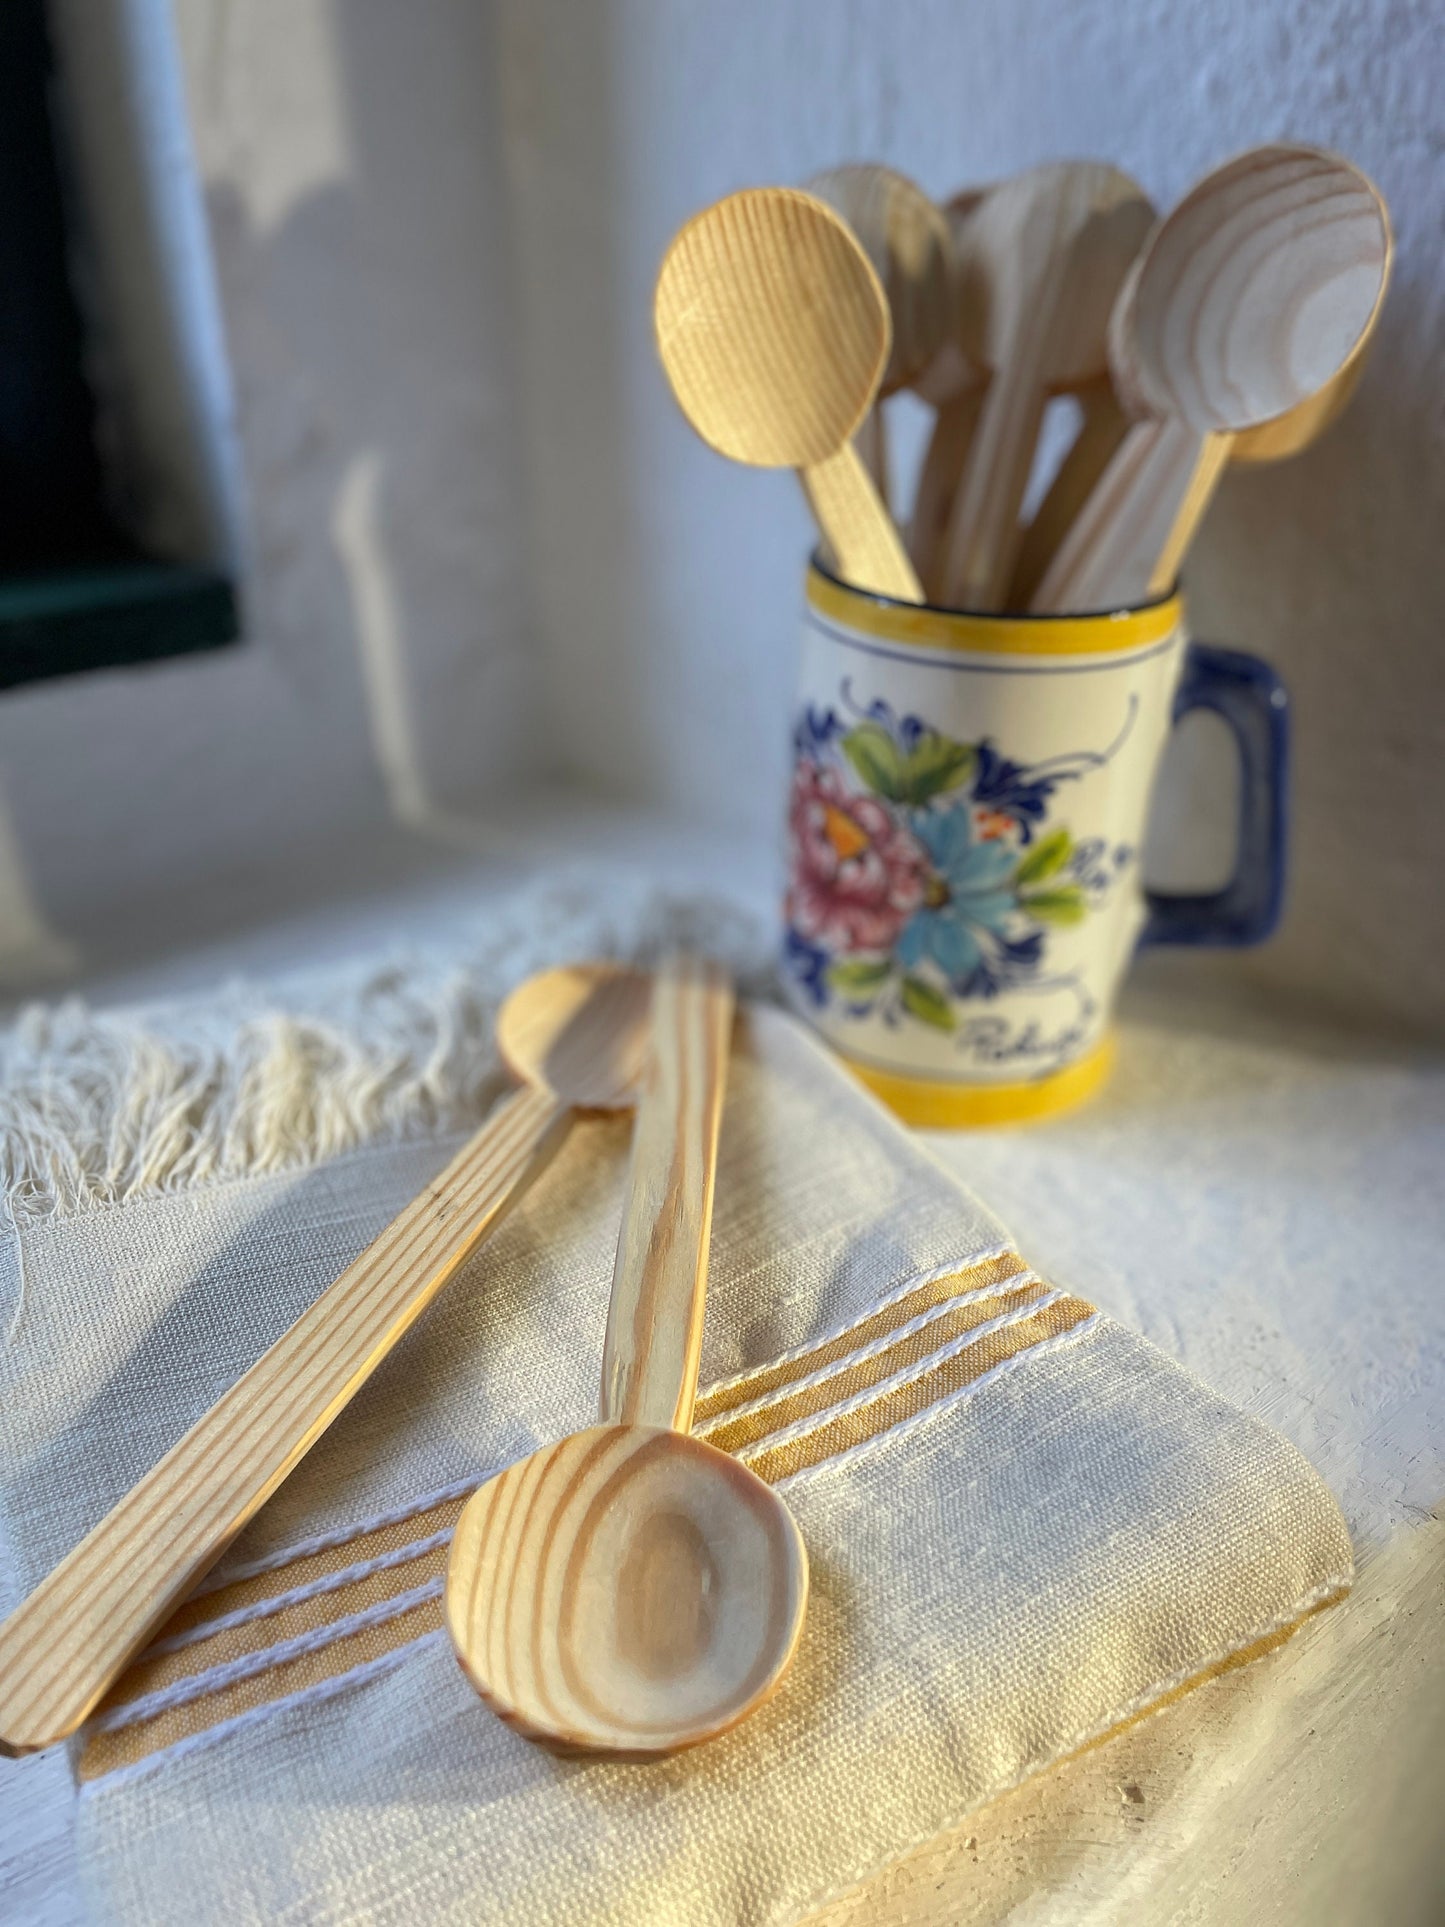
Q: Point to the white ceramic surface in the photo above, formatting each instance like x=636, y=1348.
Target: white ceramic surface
x=967, y=813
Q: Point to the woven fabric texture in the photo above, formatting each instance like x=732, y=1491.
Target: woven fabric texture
x=1024, y=1558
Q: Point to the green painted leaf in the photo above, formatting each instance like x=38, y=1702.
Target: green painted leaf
x=1047, y=857
x=930, y=1006
x=936, y=764
x=874, y=754
x=1064, y=905
x=859, y=977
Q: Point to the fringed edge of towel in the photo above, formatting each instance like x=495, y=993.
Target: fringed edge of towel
x=100, y=1107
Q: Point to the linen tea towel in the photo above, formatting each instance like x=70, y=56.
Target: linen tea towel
x=1025, y=1526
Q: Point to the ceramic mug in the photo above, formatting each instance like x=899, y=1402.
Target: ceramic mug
x=966, y=819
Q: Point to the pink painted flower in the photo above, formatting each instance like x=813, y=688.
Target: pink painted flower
x=857, y=873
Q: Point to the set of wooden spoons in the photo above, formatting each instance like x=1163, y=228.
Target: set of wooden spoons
x=629, y=1590
x=1233, y=329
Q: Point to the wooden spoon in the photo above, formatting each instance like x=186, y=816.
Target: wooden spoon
x=954, y=385
x=633, y=1590
x=1102, y=429
x=1101, y=434
x=773, y=330
x=575, y=1037
x=1291, y=434
x=1040, y=262
x=1257, y=294
x=906, y=238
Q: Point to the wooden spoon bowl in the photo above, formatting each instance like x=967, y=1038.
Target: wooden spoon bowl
x=1251, y=308
x=1257, y=293
x=906, y=238
x=773, y=330
x=580, y=1032
x=630, y=1590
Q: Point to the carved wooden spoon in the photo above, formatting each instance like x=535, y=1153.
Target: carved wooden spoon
x=1105, y=424
x=1259, y=291
x=632, y=1590
x=773, y=330
x=954, y=386
x=575, y=1038
x=906, y=237
x=1040, y=261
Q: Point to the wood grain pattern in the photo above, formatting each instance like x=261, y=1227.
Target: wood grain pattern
x=1102, y=428
x=906, y=237
x=1256, y=295
x=773, y=330
x=1133, y=517
x=67, y=1642
x=659, y=1282
x=1290, y=434
x=632, y=1590
x=1101, y=436
x=953, y=385
x=944, y=458
x=871, y=443
x=865, y=544
x=1040, y=261
x=579, y=1031
x=628, y=1591
x=1258, y=289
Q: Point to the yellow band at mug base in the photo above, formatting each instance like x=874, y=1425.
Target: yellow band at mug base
x=930, y=1104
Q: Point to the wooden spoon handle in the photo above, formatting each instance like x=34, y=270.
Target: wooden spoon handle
x=63, y=1647
x=1101, y=432
x=943, y=463
x=1132, y=531
x=659, y=1283
x=867, y=549
x=983, y=529
x=871, y=442
x=1198, y=493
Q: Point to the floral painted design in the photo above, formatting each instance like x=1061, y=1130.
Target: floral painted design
x=923, y=872
x=858, y=872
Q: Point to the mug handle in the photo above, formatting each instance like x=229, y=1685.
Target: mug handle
x=1252, y=700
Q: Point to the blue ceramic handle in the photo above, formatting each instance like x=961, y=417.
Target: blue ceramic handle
x=1251, y=698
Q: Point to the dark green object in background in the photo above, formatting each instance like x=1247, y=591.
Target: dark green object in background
x=76, y=590
x=59, y=623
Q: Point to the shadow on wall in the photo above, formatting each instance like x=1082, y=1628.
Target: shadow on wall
x=368, y=328
x=355, y=209
x=315, y=433
x=1331, y=565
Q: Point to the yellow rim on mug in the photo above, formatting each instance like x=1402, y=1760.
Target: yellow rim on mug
x=932, y=1104
x=922, y=626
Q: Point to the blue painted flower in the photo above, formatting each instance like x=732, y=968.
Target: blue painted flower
x=814, y=729
x=968, y=899
x=808, y=963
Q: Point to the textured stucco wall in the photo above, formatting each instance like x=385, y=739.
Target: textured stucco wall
x=416, y=211
x=668, y=582
x=349, y=161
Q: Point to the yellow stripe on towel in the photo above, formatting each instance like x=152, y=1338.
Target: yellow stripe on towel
x=827, y=1439
x=854, y=1374
x=314, y=1617
x=987, y=1275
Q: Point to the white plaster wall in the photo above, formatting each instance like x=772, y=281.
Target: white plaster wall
x=349, y=158
x=667, y=582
